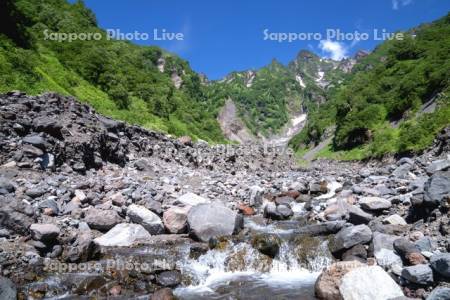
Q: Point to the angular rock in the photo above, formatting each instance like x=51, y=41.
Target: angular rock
x=441, y=264
x=383, y=250
x=6, y=186
x=191, y=199
x=46, y=233
x=8, y=289
x=357, y=252
x=123, y=235
x=351, y=236
x=256, y=194
x=439, y=293
x=101, y=219
x=408, y=251
x=327, y=284
x=357, y=216
x=374, y=203
x=284, y=200
x=83, y=247
x=284, y=211
x=212, y=220
x=141, y=215
x=394, y=220
x=402, y=171
x=35, y=140
x=369, y=283
x=438, y=165
x=322, y=228
x=424, y=244
x=420, y=274
x=169, y=278
x=405, y=160
x=31, y=151
x=437, y=188
x=175, y=219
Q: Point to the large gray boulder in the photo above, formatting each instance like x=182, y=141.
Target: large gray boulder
x=123, y=235
x=369, y=283
x=210, y=220
x=351, y=236
x=141, y=215
x=437, y=188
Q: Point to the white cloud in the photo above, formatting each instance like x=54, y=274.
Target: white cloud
x=336, y=50
x=396, y=4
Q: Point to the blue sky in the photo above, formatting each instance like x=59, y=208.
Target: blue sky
x=224, y=36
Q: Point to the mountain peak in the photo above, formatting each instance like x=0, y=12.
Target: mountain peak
x=306, y=55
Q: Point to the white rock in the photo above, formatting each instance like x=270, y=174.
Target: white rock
x=123, y=235
x=256, y=193
x=369, y=283
x=191, y=199
x=80, y=195
x=141, y=215
x=394, y=220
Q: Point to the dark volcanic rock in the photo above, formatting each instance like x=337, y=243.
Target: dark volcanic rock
x=420, y=274
x=437, y=188
x=441, y=264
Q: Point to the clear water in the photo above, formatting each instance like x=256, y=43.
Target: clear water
x=240, y=272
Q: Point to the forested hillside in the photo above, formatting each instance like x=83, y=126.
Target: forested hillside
x=395, y=100
x=266, y=98
x=118, y=78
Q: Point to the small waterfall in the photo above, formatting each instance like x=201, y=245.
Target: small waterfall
x=236, y=267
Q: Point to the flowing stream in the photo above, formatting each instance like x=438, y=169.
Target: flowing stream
x=239, y=271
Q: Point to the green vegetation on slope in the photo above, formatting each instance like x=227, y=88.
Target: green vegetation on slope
x=388, y=87
x=118, y=78
x=265, y=98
